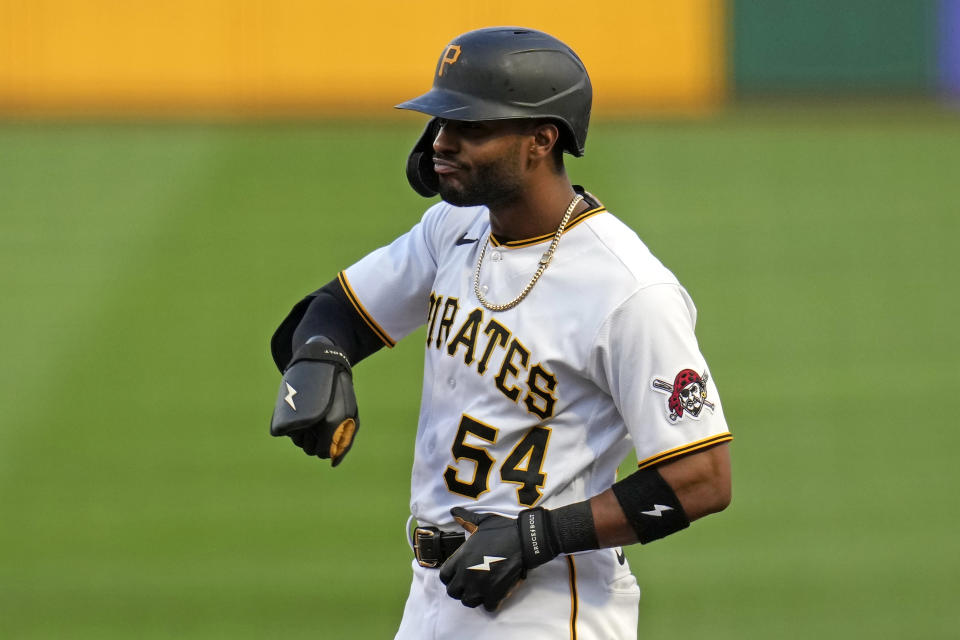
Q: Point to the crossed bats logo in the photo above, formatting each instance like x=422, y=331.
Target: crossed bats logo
x=688, y=394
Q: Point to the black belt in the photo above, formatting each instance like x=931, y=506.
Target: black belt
x=432, y=546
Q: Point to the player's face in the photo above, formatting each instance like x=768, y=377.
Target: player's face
x=480, y=162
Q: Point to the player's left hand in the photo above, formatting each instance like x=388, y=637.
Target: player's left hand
x=496, y=555
x=316, y=405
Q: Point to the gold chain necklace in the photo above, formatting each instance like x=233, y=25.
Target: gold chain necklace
x=544, y=261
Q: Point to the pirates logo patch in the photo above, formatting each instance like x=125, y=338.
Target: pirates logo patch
x=687, y=394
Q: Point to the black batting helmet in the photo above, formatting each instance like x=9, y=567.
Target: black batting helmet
x=501, y=73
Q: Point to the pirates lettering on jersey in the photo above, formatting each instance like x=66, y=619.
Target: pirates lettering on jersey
x=467, y=336
x=450, y=308
x=519, y=377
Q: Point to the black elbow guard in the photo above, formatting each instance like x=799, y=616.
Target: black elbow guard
x=325, y=312
x=650, y=504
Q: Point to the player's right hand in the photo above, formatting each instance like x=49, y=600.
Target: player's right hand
x=488, y=565
x=497, y=554
x=316, y=405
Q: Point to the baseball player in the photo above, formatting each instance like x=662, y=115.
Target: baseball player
x=555, y=342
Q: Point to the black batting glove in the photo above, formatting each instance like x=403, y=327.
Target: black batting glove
x=497, y=554
x=316, y=405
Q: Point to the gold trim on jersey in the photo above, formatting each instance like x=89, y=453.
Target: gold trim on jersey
x=513, y=244
x=574, y=602
x=364, y=314
x=684, y=450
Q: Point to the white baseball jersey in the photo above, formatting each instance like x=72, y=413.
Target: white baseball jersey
x=538, y=405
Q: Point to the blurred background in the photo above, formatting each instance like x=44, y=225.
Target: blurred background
x=174, y=175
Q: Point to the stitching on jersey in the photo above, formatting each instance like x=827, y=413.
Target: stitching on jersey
x=608, y=318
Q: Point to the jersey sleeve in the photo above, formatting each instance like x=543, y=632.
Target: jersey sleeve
x=649, y=359
x=390, y=287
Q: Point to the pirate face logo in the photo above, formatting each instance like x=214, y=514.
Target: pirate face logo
x=692, y=397
x=687, y=394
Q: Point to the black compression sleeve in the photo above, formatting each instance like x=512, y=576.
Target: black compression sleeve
x=325, y=312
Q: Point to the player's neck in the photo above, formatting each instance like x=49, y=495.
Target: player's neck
x=537, y=212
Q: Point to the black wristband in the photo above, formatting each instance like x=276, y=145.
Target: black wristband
x=574, y=528
x=651, y=506
x=546, y=533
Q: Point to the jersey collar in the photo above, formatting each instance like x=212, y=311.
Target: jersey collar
x=595, y=207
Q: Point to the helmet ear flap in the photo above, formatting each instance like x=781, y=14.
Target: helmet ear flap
x=420, y=171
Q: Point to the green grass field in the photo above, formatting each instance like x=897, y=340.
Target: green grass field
x=144, y=268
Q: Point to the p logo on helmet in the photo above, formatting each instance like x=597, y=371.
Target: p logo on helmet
x=509, y=73
x=450, y=55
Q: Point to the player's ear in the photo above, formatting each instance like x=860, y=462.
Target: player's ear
x=545, y=142
x=546, y=136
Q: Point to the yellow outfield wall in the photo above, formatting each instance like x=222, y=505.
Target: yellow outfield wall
x=297, y=57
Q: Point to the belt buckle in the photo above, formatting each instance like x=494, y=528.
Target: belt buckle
x=427, y=539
